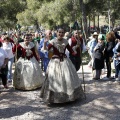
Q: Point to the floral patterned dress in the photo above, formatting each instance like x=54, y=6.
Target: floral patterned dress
x=62, y=83
x=28, y=74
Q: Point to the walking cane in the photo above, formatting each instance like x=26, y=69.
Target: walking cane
x=82, y=72
x=16, y=40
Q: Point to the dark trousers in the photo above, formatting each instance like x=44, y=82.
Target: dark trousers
x=76, y=60
x=3, y=75
x=108, y=65
x=96, y=74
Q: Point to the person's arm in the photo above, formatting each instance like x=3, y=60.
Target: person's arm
x=70, y=42
x=92, y=46
x=39, y=48
x=5, y=63
x=70, y=50
x=45, y=44
x=34, y=54
x=84, y=48
x=15, y=47
x=5, y=60
x=102, y=47
x=110, y=46
x=41, y=44
x=96, y=47
x=36, y=49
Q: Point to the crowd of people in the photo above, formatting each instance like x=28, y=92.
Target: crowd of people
x=50, y=60
x=103, y=50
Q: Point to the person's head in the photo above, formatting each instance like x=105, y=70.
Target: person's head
x=26, y=38
x=48, y=34
x=18, y=35
x=76, y=33
x=0, y=44
x=30, y=37
x=101, y=38
x=110, y=36
x=60, y=33
x=3, y=35
x=66, y=36
x=95, y=35
x=36, y=34
x=6, y=39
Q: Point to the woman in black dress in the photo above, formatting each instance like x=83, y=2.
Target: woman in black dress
x=98, y=63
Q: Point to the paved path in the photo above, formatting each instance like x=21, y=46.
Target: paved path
x=102, y=103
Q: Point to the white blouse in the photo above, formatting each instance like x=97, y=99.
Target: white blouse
x=3, y=55
x=8, y=49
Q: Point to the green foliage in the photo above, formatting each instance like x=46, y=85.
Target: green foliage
x=9, y=10
x=50, y=13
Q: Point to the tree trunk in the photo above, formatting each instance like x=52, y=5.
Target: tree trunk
x=36, y=25
x=94, y=21
x=84, y=19
x=89, y=26
x=98, y=24
x=113, y=21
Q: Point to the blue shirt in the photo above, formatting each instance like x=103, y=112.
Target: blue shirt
x=42, y=54
x=93, y=43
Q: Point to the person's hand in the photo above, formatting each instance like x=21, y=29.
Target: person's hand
x=46, y=40
x=16, y=42
x=95, y=49
x=74, y=49
x=118, y=54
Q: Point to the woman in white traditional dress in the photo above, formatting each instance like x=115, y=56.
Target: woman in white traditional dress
x=28, y=74
x=62, y=83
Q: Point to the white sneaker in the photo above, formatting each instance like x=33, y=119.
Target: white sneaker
x=43, y=73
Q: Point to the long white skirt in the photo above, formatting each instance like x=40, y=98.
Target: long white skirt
x=28, y=74
x=62, y=83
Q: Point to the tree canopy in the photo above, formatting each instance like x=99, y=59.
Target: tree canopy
x=8, y=11
x=51, y=13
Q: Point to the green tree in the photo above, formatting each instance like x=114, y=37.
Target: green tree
x=8, y=12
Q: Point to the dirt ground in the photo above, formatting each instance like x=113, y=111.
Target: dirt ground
x=102, y=103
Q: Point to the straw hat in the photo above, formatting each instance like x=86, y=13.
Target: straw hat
x=95, y=34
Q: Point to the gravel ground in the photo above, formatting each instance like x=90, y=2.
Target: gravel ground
x=102, y=103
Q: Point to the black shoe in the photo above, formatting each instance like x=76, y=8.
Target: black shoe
x=96, y=78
